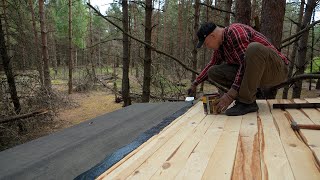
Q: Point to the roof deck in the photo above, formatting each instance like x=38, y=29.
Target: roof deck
x=254, y=146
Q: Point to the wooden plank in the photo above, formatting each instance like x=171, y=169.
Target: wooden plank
x=134, y=160
x=222, y=159
x=313, y=114
x=311, y=137
x=151, y=165
x=247, y=160
x=297, y=114
x=175, y=163
x=299, y=155
x=197, y=162
x=274, y=162
x=313, y=100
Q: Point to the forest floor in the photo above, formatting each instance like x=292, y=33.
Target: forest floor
x=85, y=106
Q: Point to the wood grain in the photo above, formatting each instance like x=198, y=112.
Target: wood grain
x=299, y=155
x=221, y=161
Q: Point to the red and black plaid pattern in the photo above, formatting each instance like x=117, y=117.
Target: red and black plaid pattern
x=236, y=39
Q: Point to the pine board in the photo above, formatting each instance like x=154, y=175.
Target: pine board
x=274, y=162
x=299, y=155
x=254, y=146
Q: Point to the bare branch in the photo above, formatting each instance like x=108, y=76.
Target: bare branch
x=150, y=46
x=154, y=49
x=301, y=32
x=154, y=26
x=23, y=116
x=212, y=7
x=114, y=18
x=294, y=22
x=289, y=43
x=297, y=78
x=101, y=42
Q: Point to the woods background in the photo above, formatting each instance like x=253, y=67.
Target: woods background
x=140, y=50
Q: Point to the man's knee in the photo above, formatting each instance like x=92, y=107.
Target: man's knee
x=255, y=52
x=254, y=47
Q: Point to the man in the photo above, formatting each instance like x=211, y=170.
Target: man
x=243, y=60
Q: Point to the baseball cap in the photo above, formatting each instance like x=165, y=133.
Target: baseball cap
x=204, y=31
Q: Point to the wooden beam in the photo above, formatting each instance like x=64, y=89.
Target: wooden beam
x=295, y=106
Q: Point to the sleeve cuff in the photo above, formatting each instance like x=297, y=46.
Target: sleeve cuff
x=195, y=83
x=235, y=87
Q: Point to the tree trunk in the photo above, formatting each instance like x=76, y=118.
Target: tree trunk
x=45, y=54
x=99, y=53
x=126, y=58
x=179, y=33
x=254, y=13
x=195, y=38
x=21, y=41
x=36, y=44
x=6, y=34
x=302, y=50
x=186, y=37
x=147, y=53
x=217, y=14
x=294, y=50
x=54, y=59
x=70, y=48
x=134, y=45
x=318, y=84
x=228, y=5
x=8, y=71
x=272, y=17
x=290, y=33
x=243, y=11
x=91, y=58
x=312, y=48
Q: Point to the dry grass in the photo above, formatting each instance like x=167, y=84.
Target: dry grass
x=89, y=105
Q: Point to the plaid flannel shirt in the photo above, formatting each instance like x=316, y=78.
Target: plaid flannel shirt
x=236, y=39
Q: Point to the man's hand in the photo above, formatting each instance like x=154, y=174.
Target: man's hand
x=192, y=91
x=223, y=103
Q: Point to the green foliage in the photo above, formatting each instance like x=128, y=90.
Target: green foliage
x=58, y=82
x=60, y=13
x=315, y=65
x=114, y=13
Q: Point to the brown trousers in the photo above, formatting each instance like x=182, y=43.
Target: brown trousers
x=264, y=68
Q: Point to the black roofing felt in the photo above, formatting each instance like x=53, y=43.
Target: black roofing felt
x=86, y=150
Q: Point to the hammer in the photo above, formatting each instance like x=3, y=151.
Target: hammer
x=297, y=127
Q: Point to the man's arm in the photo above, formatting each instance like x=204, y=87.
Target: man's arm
x=204, y=73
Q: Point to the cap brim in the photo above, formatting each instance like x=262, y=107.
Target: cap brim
x=200, y=43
